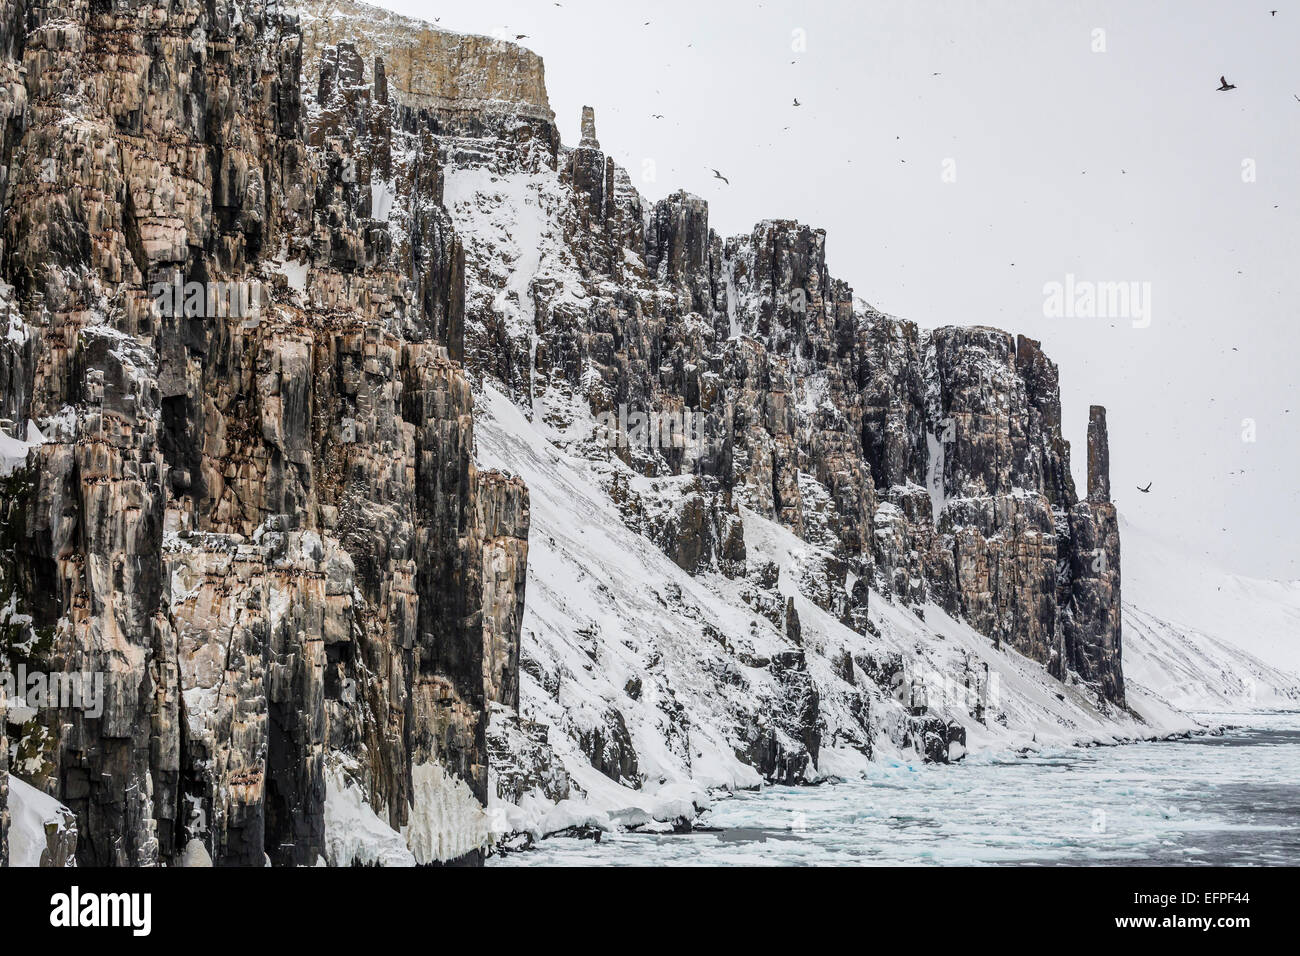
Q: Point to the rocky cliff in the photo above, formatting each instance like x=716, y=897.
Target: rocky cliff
x=264, y=526
x=268, y=528
x=927, y=467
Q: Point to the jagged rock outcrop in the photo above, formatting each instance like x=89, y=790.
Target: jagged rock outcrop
x=263, y=526
x=929, y=464
x=786, y=739
x=1093, y=615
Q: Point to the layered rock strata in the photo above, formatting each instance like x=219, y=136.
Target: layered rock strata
x=262, y=525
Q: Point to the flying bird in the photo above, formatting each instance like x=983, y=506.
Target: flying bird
x=722, y=177
x=521, y=36
x=657, y=115
x=1224, y=85
x=1146, y=490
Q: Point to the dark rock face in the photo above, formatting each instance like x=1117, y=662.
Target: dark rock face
x=1098, y=455
x=264, y=527
x=609, y=747
x=994, y=516
x=783, y=739
x=523, y=761
x=503, y=529
x=1092, y=619
x=928, y=465
x=929, y=736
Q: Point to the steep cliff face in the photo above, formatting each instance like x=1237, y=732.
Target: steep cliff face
x=264, y=526
x=268, y=528
x=927, y=466
x=931, y=465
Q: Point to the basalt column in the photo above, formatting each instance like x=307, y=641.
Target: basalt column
x=1092, y=620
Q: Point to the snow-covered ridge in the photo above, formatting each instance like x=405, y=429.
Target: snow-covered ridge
x=1204, y=638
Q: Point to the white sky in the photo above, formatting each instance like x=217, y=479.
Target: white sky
x=1114, y=166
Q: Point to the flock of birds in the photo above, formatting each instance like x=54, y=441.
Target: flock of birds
x=1223, y=87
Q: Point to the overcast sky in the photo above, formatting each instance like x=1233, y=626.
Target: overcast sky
x=1110, y=156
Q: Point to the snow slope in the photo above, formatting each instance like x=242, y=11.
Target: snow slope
x=1203, y=638
x=30, y=812
x=13, y=451
x=611, y=622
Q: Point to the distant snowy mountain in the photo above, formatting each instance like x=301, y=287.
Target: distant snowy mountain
x=1205, y=639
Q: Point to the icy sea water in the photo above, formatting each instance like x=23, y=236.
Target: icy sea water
x=1230, y=800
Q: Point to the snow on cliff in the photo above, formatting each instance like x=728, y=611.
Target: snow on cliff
x=39, y=824
x=611, y=621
